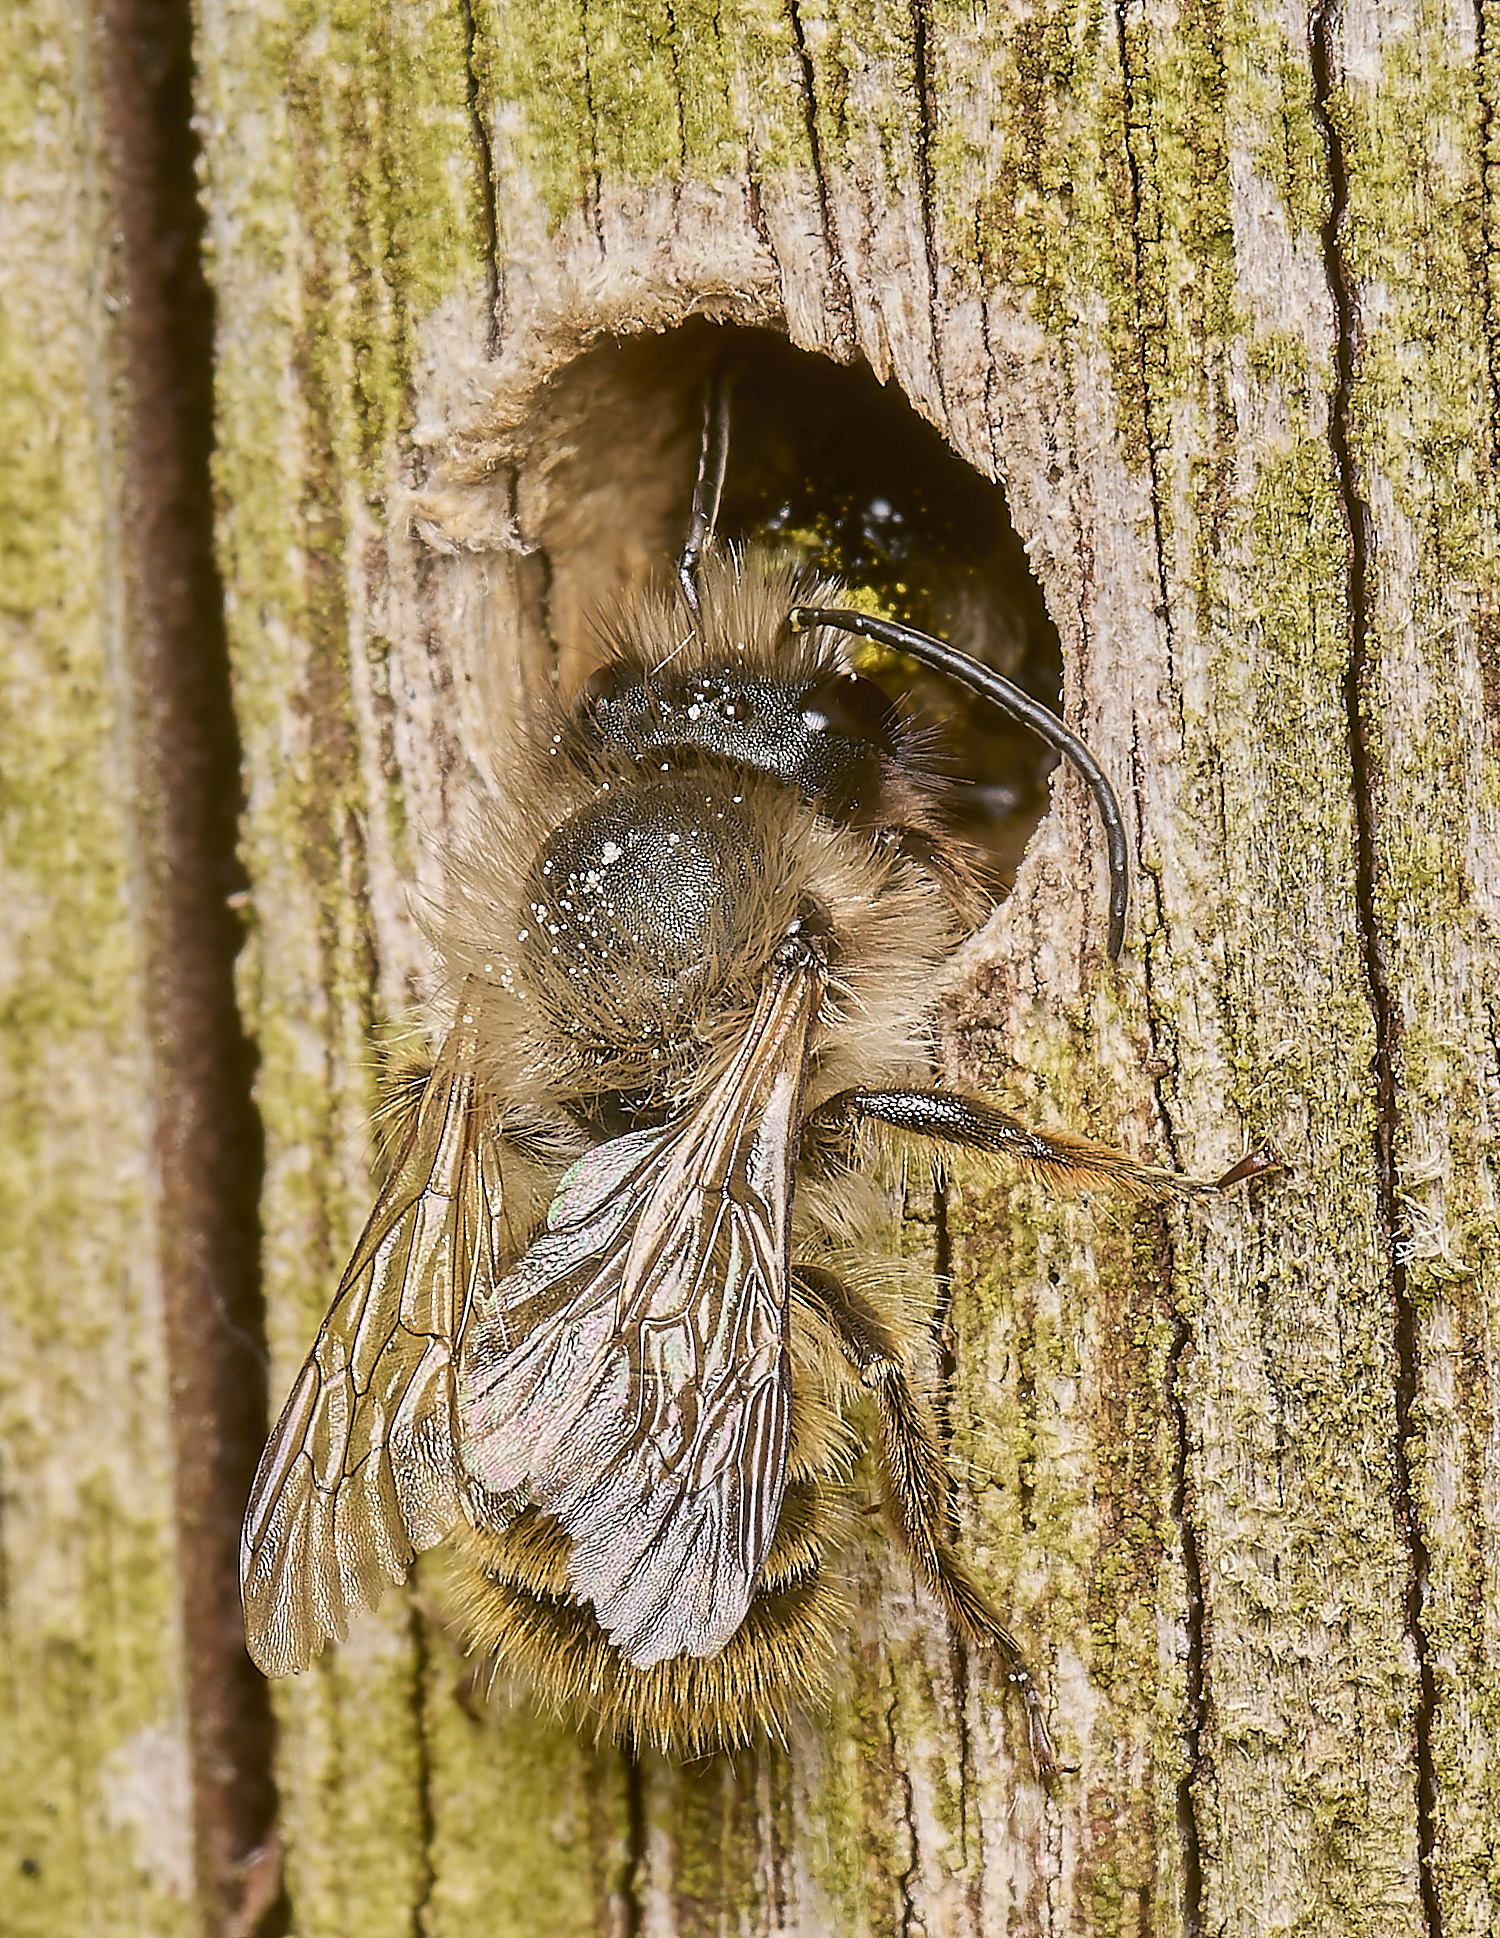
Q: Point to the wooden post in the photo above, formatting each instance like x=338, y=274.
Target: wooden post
x=1211, y=291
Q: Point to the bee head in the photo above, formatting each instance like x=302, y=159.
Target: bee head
x=831, y=735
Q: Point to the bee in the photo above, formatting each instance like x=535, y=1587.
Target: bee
x=605, y=1327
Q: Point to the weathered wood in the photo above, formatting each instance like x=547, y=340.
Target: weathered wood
x=96, y=1829
x=1211, y=291
x=1416, y=134
x=1097, y=249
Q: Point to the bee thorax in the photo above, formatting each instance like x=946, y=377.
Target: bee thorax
x=636, y=907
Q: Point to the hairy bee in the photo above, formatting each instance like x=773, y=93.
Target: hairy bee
x=601, y=1331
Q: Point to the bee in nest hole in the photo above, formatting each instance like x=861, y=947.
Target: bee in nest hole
x=621, y=1285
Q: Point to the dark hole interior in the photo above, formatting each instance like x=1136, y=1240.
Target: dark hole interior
x=839, y=470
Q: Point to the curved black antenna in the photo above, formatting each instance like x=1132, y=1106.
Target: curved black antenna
x=947, y=659
x=708, y=487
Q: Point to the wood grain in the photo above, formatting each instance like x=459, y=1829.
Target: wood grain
x=96, y=1827
x=1212, y=292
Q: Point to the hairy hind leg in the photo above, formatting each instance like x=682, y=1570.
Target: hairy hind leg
x=916, y=1487
x=1061, y=1159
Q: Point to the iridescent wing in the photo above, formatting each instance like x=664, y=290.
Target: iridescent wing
x=629, y=1375
x=360, y=1474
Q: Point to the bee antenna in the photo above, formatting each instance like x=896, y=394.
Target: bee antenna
x=1010, y=699
x=708, y=487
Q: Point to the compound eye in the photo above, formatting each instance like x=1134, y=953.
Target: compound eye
x=605, y=685
x=853, y=708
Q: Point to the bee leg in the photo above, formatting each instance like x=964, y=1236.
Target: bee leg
x=1066, y=1161
x=916, y=1487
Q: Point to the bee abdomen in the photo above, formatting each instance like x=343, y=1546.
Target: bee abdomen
x=511, y=1593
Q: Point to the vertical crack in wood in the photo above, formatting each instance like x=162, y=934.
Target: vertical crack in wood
x=1138, y=275
x=1487, y=270
x=596, y=173
x=1357, y=679
x=981, y=256
x=1489, y=264
x=945, y=1339
x=910, y=1922
x=1199, y=1768
x=632, y=1878
x=837, y=298
x=1192, y=1568
x=674, y=56
x=208, y=1144
x=484, y=165
x=768, y=1784
x=926, y=123
x=422, y=1672
x=755, y=212
x=1189, y=1830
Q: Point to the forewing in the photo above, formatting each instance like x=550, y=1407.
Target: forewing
x=630, y=1373
x=361, y=1473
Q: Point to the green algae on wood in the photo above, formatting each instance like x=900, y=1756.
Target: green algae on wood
x=1099, y=232
x=94, y=1777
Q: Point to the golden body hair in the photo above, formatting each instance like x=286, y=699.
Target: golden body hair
x=598, y=1335
x=894, y=923
x=552, y=1034
x=510, y=1595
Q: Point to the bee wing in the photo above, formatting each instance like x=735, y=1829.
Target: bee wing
x=360, y=1474
x=630, y=1372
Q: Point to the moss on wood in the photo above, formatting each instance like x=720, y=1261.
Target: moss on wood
x=95, y=1829
x=1093, y=238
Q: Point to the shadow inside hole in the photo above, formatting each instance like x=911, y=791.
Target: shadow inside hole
x=831, y=467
